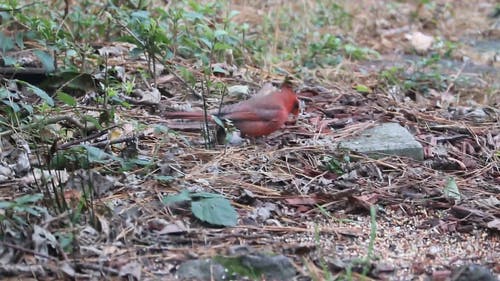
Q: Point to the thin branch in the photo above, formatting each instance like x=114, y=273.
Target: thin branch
x=51, y=120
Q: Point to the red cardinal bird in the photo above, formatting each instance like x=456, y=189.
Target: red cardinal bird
x=258, y=116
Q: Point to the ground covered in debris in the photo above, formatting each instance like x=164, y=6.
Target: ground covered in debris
x=138, y=196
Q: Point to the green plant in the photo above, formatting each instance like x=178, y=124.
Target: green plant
x=327, y=275
x=17, y=113
x=208, y=207
x=150, y=37
x=323, y=52
x=365, y=263
x=329, y=13
x=426, y=75
x=336, y=164
x=19, y=210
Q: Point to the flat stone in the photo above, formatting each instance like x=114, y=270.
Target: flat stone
x=277, y=267
x=203, y=269
x=386, y=139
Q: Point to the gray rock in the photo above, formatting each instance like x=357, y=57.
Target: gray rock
x=386, y=138
x=473, y=272
x=272, y=267
x=201, y=270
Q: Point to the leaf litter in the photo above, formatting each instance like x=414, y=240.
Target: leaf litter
x=290, y=196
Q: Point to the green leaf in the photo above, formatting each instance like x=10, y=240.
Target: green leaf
x=6, y=43
x=165, y=178
x=19, y=220
x=221, y=46
x=46, y=59
x=9, y=61
x=15, y=107
x=218, y=121
x=4, y=93
x=18, y=38
x=6, y=204
x=96, y=155
x=70, y=80
x=39, y=92
x=192, y=16
x=187, y=74
x=28, y=198
x=66, y=99
x=216, y=211
x=136, y=52
x=66, y=240
x=143, y=15
x=207, y=42
x=219, y=69
x=158, y=128
x=31, y=210
x=363, y=89
x=451, y=189
x=232, y=14
x=92, y=120
x=28, y=108
x=219, y=33
x=205, y=195
x=180, y=197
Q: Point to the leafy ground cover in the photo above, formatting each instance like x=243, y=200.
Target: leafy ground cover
x=96, y=184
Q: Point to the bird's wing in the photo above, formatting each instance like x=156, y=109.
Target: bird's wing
x=268, y=113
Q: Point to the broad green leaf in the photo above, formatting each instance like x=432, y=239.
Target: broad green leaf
x=9, y=61
x=219, y=69
x=31, y=210
x=187, y=74
x=97, y=155
x=218, y=121
x=71, y=53
x=192, y=16
x=92, y=120
x=39, y=92
x=139, y=161
x=65, y=98
x=4, y=93
x=73, y=80
x=19, y=220
x=65, y=240
x=216, y=211
x=451, y=189
x=136, y=52
x=180, y=197
x=46, y=59
x=28, y=198
x=207, y=42
x=140, y=15
x=219, y=46
x=15, y=107
x=206, y=195
x=6, y=43
x=28, y=108
x=6, y=204
x=219, y=33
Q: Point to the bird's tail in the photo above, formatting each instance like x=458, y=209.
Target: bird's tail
x=189, y=115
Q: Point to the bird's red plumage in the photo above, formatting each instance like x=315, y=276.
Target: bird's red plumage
x=258, y=116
